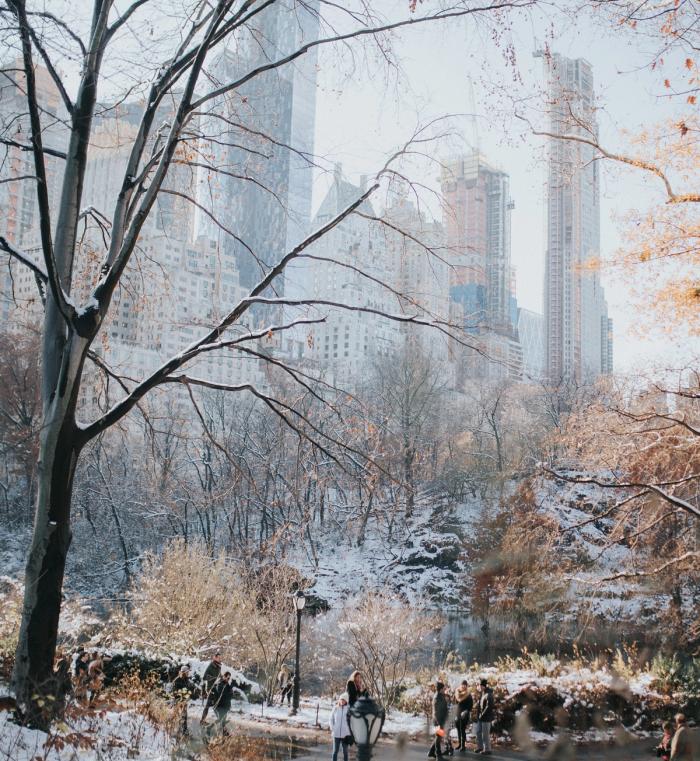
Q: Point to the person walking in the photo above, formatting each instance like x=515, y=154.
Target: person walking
x=484, y=717
x=682, y=745
x=465, y=705
x=211, y=674
x=440, y=715
x=355, y=688
x=220, y=699
x=340, y=727
x=182, y=690
x=285, y=682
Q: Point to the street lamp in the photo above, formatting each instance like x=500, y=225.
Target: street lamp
x=366, y=721
x=299, y=602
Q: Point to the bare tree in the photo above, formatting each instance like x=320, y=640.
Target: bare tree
x=406, y=392
x=180, y=87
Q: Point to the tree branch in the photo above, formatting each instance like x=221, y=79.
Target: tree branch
x=656, y=488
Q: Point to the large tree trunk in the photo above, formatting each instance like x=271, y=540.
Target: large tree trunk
x=45, y=570
x=59, y=447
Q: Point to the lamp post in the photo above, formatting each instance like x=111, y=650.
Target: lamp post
x=299, y=602
x=366, y=722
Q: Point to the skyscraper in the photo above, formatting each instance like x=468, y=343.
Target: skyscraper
x=353, y=265
x=260, y=139
x=574, y=299
x=477, y=206
x=531, y=335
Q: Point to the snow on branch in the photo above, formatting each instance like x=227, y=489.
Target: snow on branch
x=693, y=555
x=24, y=258
x=657, y=488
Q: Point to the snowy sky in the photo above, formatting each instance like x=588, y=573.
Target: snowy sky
x=370, y=116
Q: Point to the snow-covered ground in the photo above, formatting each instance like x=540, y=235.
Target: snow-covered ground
x=113, y=735
x=586, y=531
x=421, y=560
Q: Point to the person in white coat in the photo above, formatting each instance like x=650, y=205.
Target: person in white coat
x=340, y=727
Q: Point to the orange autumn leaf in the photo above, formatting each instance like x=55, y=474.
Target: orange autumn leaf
x=688, y=63
x=666, y=83
x=691, y=100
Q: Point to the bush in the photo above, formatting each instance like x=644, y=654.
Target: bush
x=673, y=675
x=379, y=635
x=190, y=603
x=10, y=616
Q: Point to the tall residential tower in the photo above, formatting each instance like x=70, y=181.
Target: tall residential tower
x=577, y=328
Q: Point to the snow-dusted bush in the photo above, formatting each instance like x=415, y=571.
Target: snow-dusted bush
x=185, y=602
x=673, y=675
x=379, y=634
x=192, y=604
x=10, y=613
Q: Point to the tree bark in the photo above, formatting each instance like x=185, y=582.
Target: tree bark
x=58, y=453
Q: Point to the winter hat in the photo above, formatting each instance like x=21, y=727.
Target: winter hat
x=439, y=686
x=484, y=682
x=344, y=696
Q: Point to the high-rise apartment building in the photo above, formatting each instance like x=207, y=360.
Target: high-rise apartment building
x=476, y=217
x=352, y=265
x=419, y=270
x=577, y=341
x=19, y=220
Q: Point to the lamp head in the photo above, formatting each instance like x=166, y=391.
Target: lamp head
x=299, y=600
x=366, y=721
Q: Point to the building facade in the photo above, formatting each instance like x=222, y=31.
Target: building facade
x=476, y=216
x=575, y=310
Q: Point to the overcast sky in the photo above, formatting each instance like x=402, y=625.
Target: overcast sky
x=373, y=114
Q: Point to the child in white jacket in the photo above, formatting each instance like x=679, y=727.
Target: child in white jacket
x=340, y=727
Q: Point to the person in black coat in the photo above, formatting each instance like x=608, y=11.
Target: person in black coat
x=484, y=716
x=182, y=690
x=355, y=688
x=465, y=704
x=220, y=699
x=440, y=715
x=211, y=674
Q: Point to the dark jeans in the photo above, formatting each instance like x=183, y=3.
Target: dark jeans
x=339, y=742
x=462, y=727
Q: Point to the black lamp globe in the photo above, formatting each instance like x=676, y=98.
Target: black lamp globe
x=366, y=721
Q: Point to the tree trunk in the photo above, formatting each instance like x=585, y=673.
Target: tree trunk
x=408, y=457
x=33, y=672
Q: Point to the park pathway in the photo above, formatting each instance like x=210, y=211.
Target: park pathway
x=636, y=751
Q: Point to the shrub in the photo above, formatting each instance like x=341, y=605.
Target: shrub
x=673, y=675
x=10, y=615
x=379, y=635
x=190, y=603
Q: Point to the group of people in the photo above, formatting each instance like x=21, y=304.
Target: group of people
x=482, y=711
x=676, y=743
x=482, y=708
x=83, y=678
x=216, y=691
